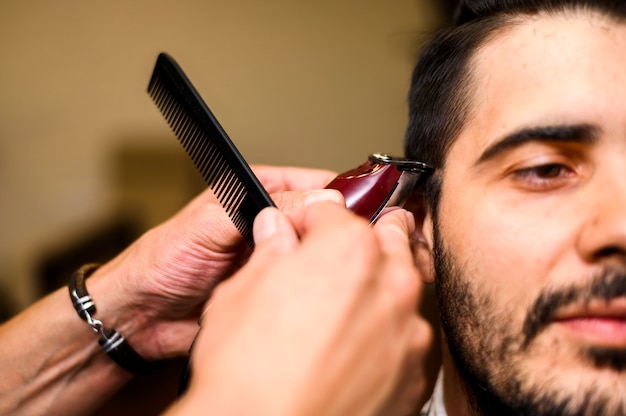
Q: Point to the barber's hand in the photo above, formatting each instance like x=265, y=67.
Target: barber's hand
x=318, y=325
x=159, y=284
x=410, y=387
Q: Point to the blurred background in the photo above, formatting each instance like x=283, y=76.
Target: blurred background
x=87, y=162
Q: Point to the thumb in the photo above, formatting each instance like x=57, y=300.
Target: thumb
x=273, y=231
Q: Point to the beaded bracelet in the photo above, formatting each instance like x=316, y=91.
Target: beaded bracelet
x=111, y=341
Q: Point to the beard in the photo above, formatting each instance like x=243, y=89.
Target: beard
x=499, y=359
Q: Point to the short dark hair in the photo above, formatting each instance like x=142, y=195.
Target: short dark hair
x=440, y=95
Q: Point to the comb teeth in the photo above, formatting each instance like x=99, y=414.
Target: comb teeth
x=215, y=156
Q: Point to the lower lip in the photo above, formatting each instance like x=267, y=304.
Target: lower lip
x=607, y=332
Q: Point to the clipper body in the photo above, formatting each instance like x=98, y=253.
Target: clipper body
x=381, y=182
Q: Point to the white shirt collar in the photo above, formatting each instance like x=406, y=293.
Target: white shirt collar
x=435, y=406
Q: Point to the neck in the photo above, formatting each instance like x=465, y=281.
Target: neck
x=455, y=396
x=463, y=396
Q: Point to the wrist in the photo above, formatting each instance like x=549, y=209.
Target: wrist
x=114, y=321
x=51, y=356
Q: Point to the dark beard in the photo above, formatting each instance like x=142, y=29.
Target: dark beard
x=479, y=337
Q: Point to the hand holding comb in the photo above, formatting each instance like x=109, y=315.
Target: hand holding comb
x=223, y=168
x=383, y=181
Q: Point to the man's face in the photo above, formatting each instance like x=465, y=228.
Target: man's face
x=532, y=218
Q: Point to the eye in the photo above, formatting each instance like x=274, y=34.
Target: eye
x=544, y=177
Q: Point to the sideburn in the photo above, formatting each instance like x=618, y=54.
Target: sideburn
x=458, y=318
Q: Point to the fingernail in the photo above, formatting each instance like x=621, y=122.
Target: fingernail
x=265, y=224
x=411, y=220
x=328, y=195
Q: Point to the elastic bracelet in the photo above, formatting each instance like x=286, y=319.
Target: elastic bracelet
x=111, y=341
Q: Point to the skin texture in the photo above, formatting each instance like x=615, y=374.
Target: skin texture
x=320, y=320
x=152, y=293
x=538, y=219
x=195, y=249
x=314, y=326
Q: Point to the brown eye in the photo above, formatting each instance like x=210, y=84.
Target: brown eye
x=544, y=177
x=549, y=171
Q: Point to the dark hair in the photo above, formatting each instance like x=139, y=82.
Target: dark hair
x=440, y=95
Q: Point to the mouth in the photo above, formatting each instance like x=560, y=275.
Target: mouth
x=598, y=323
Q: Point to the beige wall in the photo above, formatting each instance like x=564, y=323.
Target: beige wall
x=302, y=83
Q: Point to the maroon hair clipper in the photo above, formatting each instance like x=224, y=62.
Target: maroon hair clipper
x=381, y=182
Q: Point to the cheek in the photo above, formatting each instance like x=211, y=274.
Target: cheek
x=501, y=245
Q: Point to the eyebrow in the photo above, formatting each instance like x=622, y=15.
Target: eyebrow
x=581, y=134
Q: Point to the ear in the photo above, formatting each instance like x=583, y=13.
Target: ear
x=422, y=238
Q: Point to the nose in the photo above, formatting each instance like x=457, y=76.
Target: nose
x=603, y=234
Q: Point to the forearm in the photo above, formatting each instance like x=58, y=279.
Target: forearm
x=51, y=361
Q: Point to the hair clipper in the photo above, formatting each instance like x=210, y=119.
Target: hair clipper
x=382, y=182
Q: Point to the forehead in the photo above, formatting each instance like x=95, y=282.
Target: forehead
x=547, y=69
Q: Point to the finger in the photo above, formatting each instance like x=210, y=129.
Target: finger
x=393, y=231
x=337, y=235
x=294, y=200
x=322, y=217
x=278, y=179
x=273, y=231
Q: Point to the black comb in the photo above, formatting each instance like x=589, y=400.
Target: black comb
x=214, y=154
